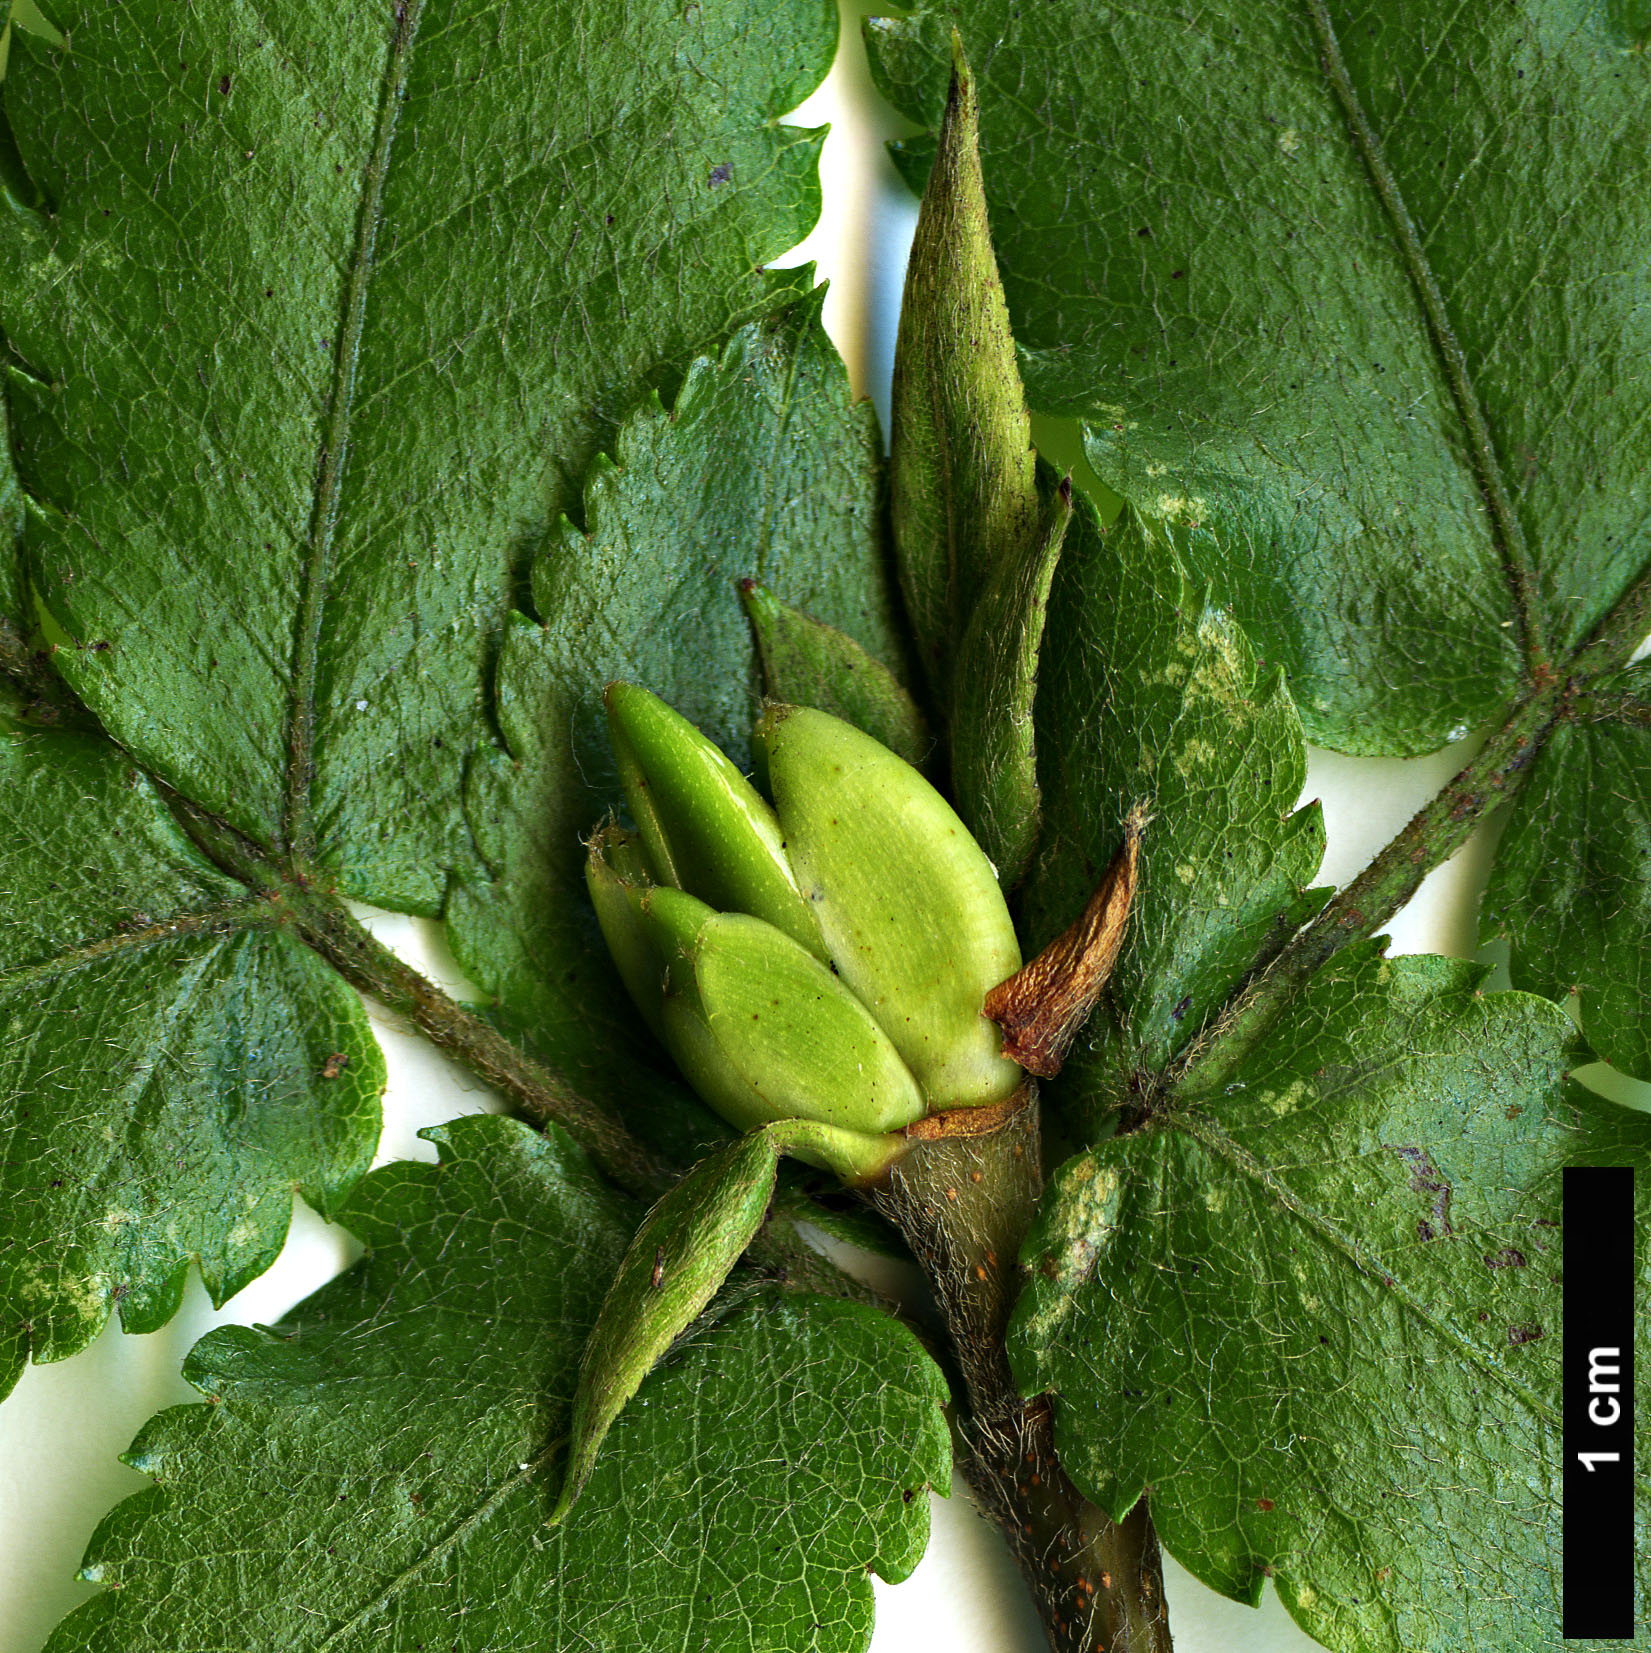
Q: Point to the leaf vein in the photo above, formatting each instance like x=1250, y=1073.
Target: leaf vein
x=1508, y=532
x=298, y=826
x=1209, y=1135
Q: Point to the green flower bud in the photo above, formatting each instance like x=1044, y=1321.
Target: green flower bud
x=907, y=901
x=706, y=829
x=909, y=919
x=617, y=878
x=803, y=1041
x=761, y=1029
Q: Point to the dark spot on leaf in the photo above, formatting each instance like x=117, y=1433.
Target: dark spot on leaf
x=721, y=174
x=1508, y=1257
x=334, y=1065
x=1523, y=1334
x=1145, y=232
x=1264, y=1504
x=1425, y=1179
x=223, y=86
x=1182, y=1008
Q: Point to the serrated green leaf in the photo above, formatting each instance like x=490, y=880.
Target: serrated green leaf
x=764, y=468
x=1571, y=883
x=1318, y=1311
x=377, y=1470
x=331, y=312
x=1150, y=693
x=806, y=663
x=173, y=1064
x=1320, y=279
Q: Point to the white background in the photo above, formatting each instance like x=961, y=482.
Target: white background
x=63, y=1428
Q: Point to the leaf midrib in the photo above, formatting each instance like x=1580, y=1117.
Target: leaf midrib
x=298, y=823
x=1209, y=1135
x=258, y=913
x=1506, y=530
x=445, y=1545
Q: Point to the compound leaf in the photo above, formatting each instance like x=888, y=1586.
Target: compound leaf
x=309, y=318
x=377, y=1470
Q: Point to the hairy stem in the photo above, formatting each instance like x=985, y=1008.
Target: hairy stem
x=1435, y=833
x=964, y=1205
x=540, y=1095
x=536, y=1092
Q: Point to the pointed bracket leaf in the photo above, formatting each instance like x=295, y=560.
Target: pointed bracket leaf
x=684, y=1250
x=808, y=663
x=976, y=529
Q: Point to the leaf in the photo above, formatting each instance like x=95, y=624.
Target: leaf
x=332, y=309
x=173, y=1063
x=299, y=364
x=805, y=663
x=1151, y=694
x=1319, y=281
x=977, y=529
x=764, y=468
x=384, y=1461
x=1572, y=878
x=678, y=1259
x=11, y=530
x=1313, y=1309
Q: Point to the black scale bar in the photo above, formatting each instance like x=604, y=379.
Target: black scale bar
x=1598, y=1377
